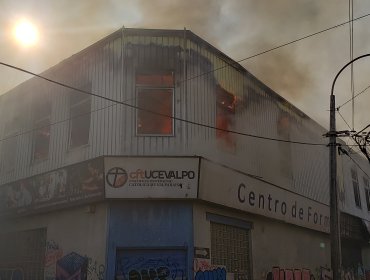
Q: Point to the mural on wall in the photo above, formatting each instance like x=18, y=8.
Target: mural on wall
x=74, y=184
x=73, y=265
x=151, y=264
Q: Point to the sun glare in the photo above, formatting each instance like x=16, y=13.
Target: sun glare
x=26, y=33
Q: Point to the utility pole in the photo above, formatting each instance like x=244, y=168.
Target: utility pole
x=336, y=255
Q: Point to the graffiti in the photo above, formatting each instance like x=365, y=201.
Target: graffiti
x=214, y=274
x=160, y=273
x=322, y=273
x=11, y=274
x=58, y=266
x=95, y=271
x=151, y=264
x=203, y=264
x=52, y=253
x=289, y=274
x=71, y=266
x=325, y=274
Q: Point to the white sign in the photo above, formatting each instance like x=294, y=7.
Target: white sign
x=151, y=177
x=231, y=188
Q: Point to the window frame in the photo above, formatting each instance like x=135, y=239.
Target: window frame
x=155, y=87
x=356, y=188
x=224, y=111
x=10, y=132
x=367, y=192
x=36, y=121
x=87, y=99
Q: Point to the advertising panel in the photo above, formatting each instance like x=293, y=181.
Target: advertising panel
x=234, y=189
x=79, y=183
x=151, y=177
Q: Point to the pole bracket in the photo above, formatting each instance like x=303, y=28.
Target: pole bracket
x=341, y=133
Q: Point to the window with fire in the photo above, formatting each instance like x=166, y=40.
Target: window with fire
x=225, y=117
x=155, y=94
x=42, y=118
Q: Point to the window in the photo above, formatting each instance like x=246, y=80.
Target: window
x=367, y=192
x=80, y=114
x=155, y=93
x=42, y=117
x=225, y=114
x=356, y=189
x=9, y=146
x=231, y=248
x=283, y=130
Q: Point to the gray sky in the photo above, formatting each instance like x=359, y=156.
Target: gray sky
x=302, y=72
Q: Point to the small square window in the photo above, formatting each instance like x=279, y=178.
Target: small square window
x=155, y=95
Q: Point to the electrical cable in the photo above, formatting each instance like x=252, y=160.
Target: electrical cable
x=349, y=100
x=55, y=123
x=194, y=77
x=157, y=113
x=343, y=119
x=348, y=145
x=359, y=166
x=274, y=48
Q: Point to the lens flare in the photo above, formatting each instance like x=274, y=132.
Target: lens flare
x=26, y=33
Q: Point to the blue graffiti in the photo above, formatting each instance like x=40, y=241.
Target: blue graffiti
x=160, y=273
x=151, y=265
x=215, y=274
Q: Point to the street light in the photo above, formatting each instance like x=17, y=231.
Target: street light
x=336, y=257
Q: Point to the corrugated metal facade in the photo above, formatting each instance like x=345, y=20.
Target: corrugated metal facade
x=108, y=68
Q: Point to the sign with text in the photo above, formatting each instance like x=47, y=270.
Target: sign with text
x=151, y=177
x=76, y=184
x=231, y=188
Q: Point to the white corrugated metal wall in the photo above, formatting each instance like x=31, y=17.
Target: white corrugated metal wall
x=110, y=66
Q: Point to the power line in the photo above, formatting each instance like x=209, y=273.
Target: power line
x=351, y=31
x=344, y=119
x=157, y=113
x=349, y=100
x=55, y=123
x=191, y=78
x=275, y=48
x=348, y=145
x=359, y=166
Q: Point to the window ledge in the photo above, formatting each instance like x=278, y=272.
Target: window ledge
x=77, y=148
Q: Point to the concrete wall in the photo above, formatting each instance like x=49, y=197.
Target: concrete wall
x=273, y=244
x=77, y=233
x=160, y=232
